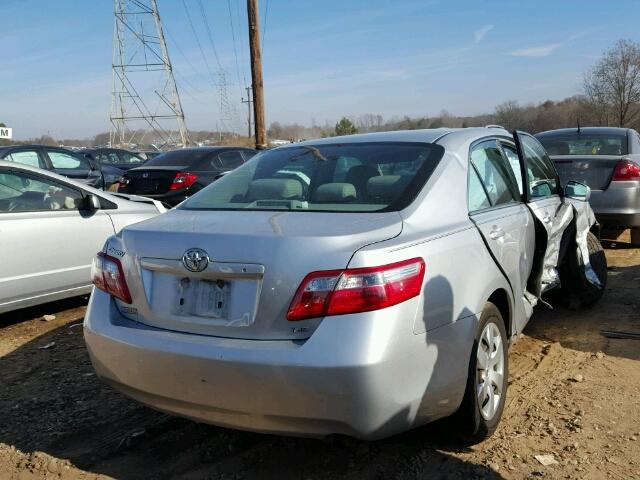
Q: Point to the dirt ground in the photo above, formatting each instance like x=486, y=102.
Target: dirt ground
x=574, y=395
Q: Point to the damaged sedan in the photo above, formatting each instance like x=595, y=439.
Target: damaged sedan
x=359, y=285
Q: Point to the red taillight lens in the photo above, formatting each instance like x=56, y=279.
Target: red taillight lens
x=626, y=170
x=339, y=292
x=183, y=180
x=107, y=274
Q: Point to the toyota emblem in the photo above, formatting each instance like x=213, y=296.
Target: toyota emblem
x=195, y=259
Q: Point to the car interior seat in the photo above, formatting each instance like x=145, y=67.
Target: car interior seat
x=359, y=176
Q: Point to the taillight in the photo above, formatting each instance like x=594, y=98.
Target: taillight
x=107, y=275
x=123, y=182
x=355, y=290
x=626, y=170
x=183, y=180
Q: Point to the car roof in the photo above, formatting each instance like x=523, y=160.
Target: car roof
x=33, y=145
x=43, y=172
x=591, y=130
x=207, y=149
x=432, y=135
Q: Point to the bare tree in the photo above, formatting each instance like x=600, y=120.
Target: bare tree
x=613, y=84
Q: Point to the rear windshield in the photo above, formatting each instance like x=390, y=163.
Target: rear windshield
x=352, y=177
x=186, y=157
x=585, y=144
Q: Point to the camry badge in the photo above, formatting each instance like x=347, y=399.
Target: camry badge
x=195, y=259
x=145, y=175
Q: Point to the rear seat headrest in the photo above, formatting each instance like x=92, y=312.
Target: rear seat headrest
x=335, y=193
x=386, y=187
x=275, y=189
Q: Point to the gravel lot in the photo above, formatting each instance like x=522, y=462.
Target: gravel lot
x=574, y=395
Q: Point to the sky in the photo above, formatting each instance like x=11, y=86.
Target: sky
x=321, y=59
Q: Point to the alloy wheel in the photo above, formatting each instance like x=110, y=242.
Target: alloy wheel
x=490, y=370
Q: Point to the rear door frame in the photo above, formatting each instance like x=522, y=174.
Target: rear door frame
x=498, y=241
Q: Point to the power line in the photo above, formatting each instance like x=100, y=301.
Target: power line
x=182, y=54
x=244, y=34
x=264, y=23
x=206, y=24
x=195, y=34
x=235, y=50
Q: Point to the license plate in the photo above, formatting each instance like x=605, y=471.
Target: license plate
x=204, y=298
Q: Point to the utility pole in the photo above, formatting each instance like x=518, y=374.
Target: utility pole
x=256, y=74
x=248, y=101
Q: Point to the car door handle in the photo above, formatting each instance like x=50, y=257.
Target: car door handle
x=496, y=233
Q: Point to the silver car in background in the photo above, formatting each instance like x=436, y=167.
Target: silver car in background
x=50, y=228
x=608, y=161
x=358, y=285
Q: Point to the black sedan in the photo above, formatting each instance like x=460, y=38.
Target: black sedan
x=115, y=157
x=62, y=161
x=176, y=175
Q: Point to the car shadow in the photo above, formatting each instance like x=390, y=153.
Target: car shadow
x=56, y=405
x=24, y=314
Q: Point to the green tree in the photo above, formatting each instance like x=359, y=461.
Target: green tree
x=345, y=127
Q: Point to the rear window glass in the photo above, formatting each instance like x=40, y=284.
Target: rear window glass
x=186, y=157
x=352, y=177
x=585, y=144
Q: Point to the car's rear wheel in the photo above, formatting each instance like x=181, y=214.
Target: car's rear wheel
x=484, y=397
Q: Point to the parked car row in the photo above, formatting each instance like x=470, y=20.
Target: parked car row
x=359, y=285
x=170, y=177
x=64, y=162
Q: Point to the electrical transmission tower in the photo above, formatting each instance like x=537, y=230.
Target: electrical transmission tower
x=145, y=105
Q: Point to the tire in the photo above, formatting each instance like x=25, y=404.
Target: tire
x=475, y=421
x=635, y=236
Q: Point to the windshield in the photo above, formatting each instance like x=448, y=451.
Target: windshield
x=350, y=177
x=585, y=144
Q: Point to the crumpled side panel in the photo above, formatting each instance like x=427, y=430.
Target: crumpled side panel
x=550, y=277
x=584, y=219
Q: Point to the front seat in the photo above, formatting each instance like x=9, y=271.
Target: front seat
x=359, y=176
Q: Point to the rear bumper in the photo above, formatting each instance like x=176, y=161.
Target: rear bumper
x=618, y=205
x=368, y=378
x=172, y=198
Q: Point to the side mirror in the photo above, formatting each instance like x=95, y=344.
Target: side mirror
x=91, y=202
x=577, y=191
x=541, y=189
x=92, y=163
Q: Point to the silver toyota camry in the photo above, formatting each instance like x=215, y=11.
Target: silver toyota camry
x=359, y=285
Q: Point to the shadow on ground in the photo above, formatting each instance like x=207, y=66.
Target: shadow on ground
x=618, y=309
x=54, y=403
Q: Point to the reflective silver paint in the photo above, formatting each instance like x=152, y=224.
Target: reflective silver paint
x=369, y=375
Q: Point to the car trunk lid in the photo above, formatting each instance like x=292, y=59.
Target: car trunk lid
x=257, y=260
x=151, y=180
x=592, y=170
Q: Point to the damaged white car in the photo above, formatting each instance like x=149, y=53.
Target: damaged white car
x=358, y=285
